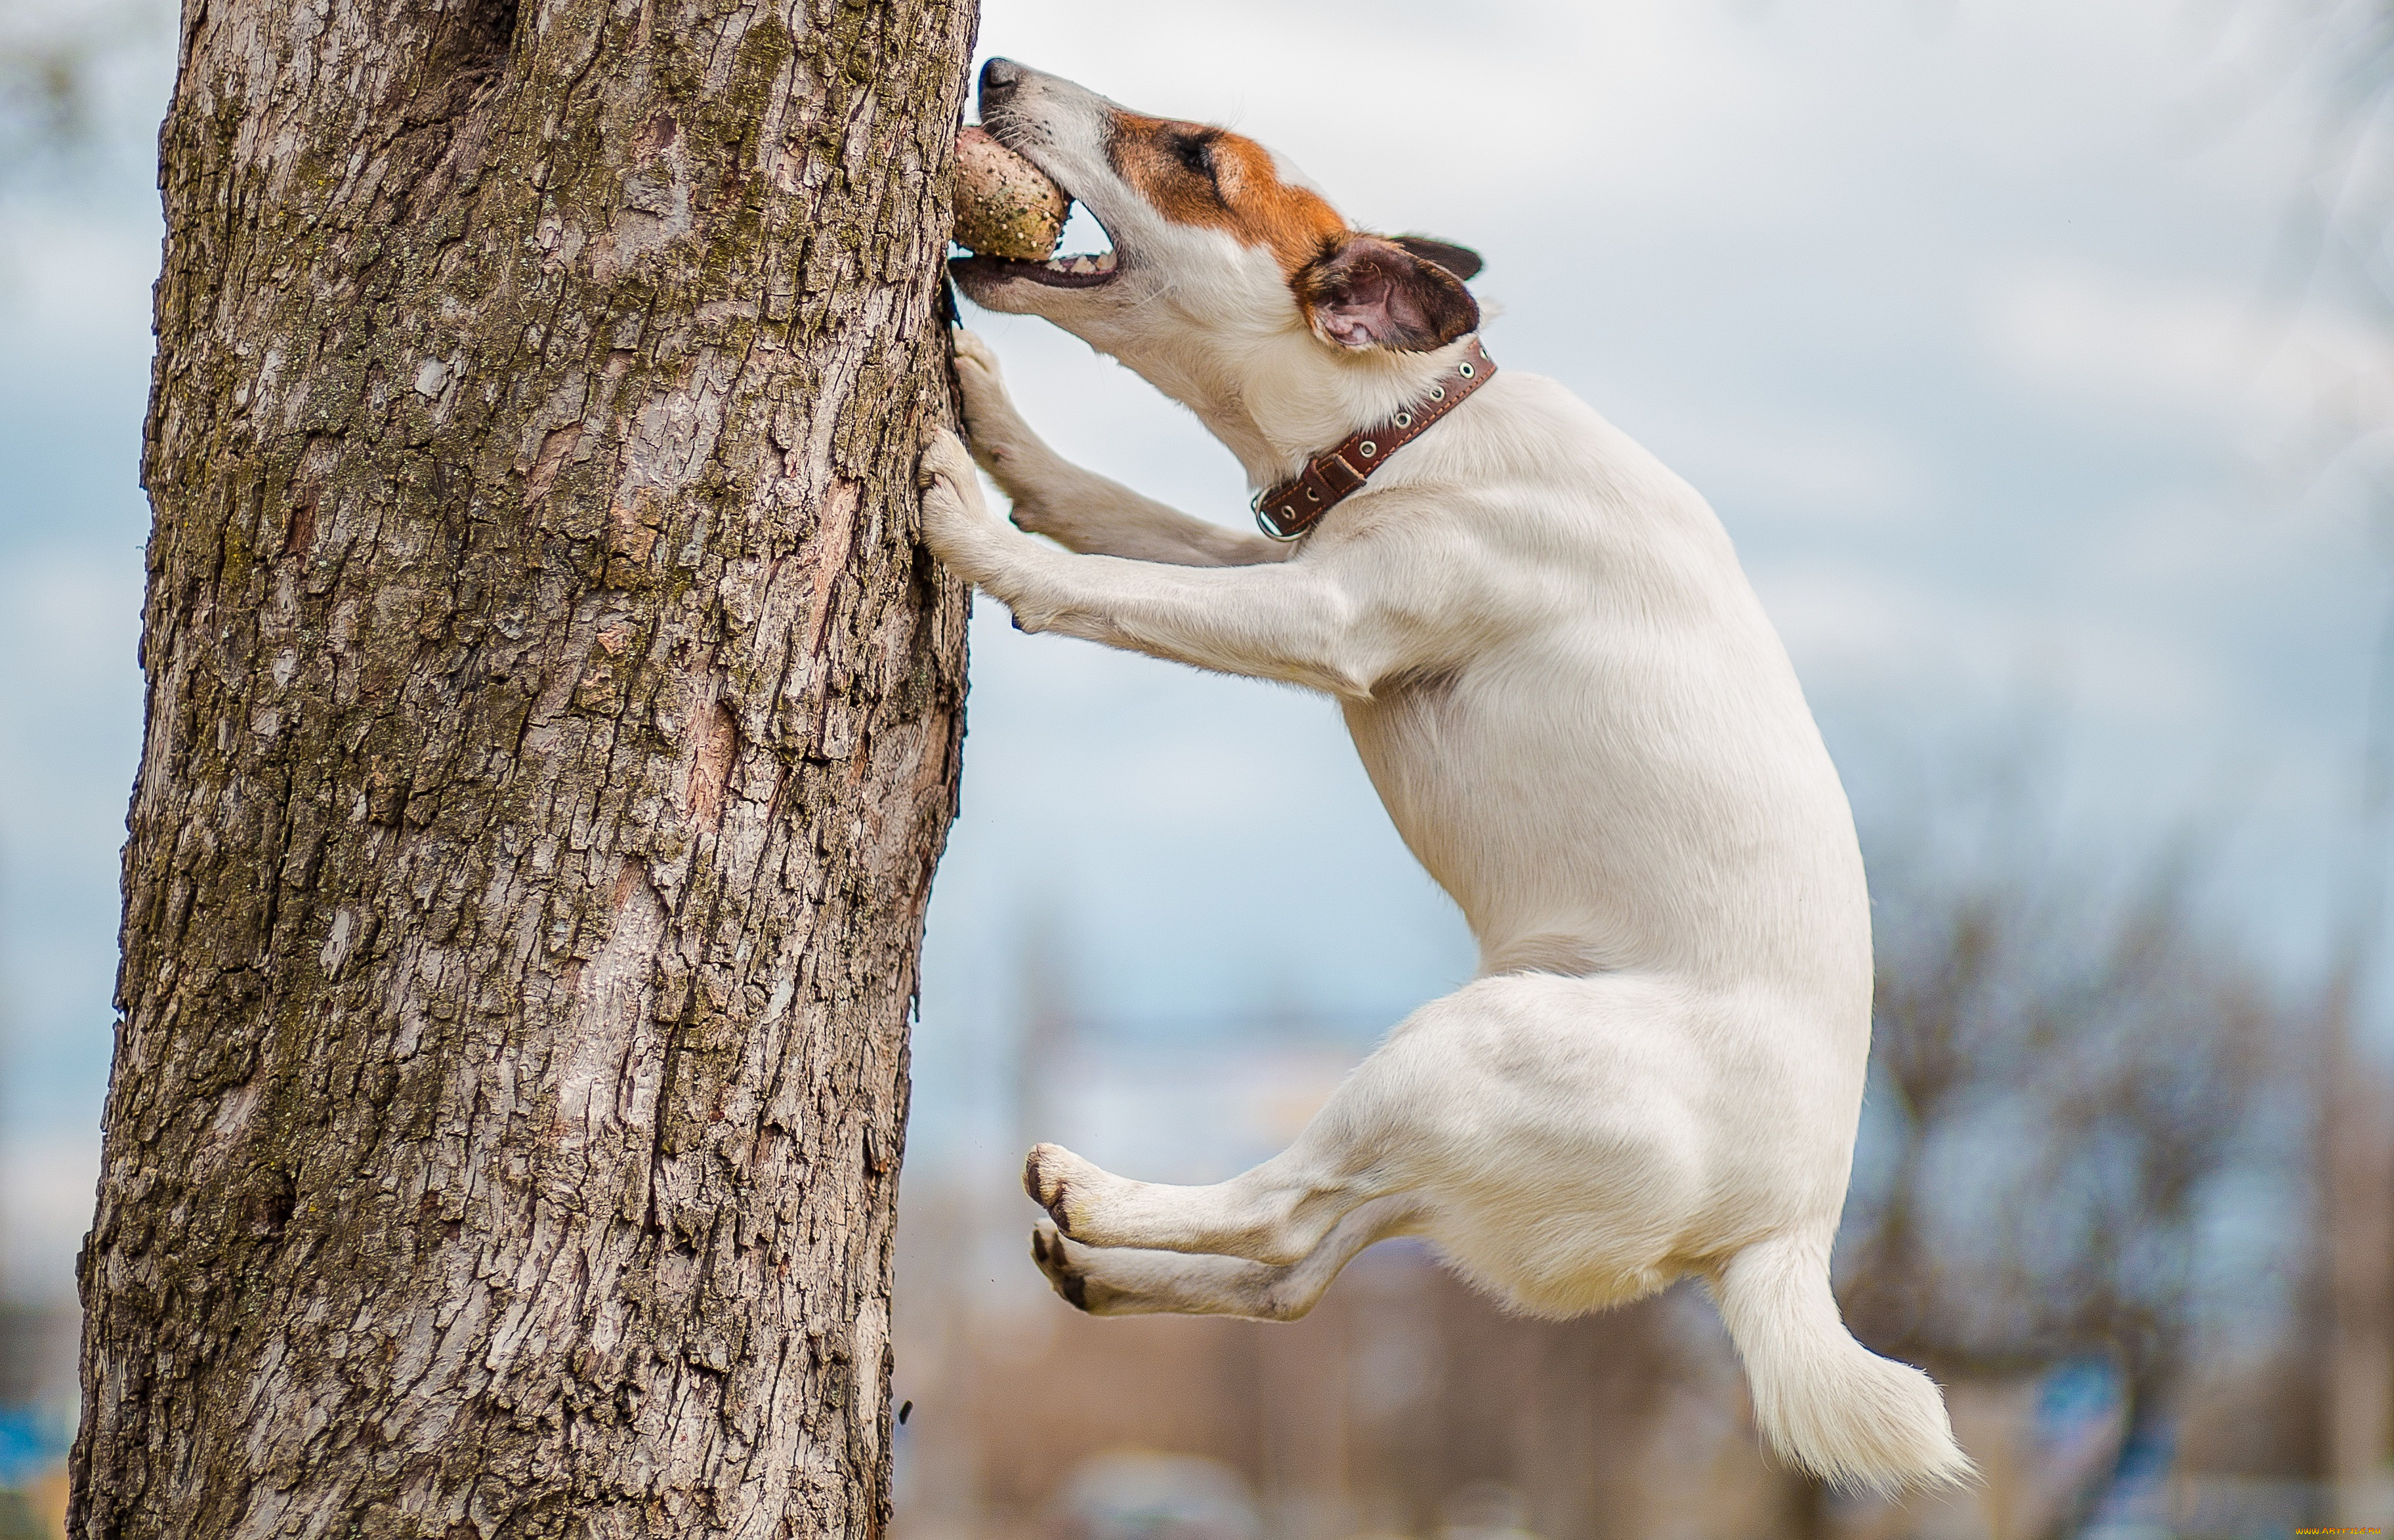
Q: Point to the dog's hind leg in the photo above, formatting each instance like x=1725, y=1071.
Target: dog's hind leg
x=1121, y=1281
x=1080, y=509
x=1542, y=1119
x=1373, y=1137
x=1276, y=1213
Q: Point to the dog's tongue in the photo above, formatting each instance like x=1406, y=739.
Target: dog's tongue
x=1005, y=206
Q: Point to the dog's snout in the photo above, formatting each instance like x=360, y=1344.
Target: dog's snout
x=998, y=77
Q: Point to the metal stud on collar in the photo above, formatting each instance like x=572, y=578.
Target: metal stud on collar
x=1369, y=448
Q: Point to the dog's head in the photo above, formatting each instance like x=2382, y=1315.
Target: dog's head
x=1227, y=271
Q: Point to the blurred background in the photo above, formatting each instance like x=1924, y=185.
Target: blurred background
x=2039, y=357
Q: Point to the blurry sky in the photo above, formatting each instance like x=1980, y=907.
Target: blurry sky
x=1968, y=318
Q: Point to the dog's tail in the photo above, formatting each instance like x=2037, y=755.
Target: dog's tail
x=1825, y=1401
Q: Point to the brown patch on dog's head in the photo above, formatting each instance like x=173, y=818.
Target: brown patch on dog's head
x=1356, y=291
x=1196, y=175
x=1373, y=293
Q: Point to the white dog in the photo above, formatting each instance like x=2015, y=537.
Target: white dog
x=1579, y=718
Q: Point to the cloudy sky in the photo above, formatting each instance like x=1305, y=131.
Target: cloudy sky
x=1970, y=320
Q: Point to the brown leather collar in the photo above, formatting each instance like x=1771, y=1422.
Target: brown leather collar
x=1288, y=510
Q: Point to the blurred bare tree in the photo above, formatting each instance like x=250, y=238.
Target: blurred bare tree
x=52, y=61
x=41, y=94
x=45, y=75
x=2068, y=1076
x=2338, y=56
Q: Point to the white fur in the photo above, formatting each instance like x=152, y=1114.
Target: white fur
x=1583, y=724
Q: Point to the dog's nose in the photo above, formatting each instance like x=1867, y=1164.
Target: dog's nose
x=999, y=76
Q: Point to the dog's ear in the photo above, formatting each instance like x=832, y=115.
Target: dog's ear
x=1462, y=261
x=1373, y=292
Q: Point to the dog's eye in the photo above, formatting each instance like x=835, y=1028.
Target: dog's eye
x=1196, y=153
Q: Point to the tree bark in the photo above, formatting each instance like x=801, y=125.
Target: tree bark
x=552, y=727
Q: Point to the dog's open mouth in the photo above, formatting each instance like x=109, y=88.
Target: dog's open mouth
x=1081, y=271
x=1061, y=272
x=1019, y=221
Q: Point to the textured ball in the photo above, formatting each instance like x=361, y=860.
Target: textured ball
x=1004, y=206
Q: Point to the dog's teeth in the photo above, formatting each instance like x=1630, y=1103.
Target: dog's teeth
x=1082, y=266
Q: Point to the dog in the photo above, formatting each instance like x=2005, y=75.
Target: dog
x=1579, y=718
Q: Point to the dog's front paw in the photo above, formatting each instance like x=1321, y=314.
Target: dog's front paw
x=956, y=524
x=945, y=472
x=1001, y=442
x=995, y=429
x=973, y=355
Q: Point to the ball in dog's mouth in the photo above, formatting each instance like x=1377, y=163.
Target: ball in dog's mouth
x=1010, y=215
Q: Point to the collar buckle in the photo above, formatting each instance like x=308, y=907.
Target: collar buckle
x=1269, y=519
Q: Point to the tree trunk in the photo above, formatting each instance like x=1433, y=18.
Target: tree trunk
x=552, y=728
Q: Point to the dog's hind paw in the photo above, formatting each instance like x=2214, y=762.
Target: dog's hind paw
x=1054, y=1255
x=1054, y=1177
x=1043, y=1178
